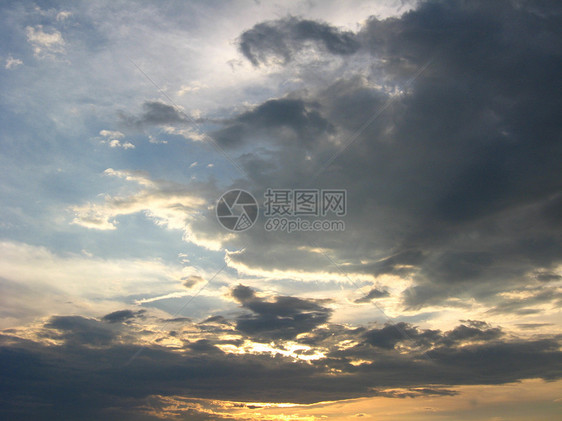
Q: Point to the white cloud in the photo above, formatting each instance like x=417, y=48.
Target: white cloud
x=45, y=44
x=186, y=133
x=139, y=177
x=12, y=63
x=114, y=143
x=156, y=141
x=178, y=294
x=63, y=15
x=194, y=87
x=112, y=139
x=36, y=281
x=112, y=134
x=168, y=204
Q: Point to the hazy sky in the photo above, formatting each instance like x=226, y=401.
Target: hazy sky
x=123, y=123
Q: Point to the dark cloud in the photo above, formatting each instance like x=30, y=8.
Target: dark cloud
x=293, y=120
x=121, y=316
x=416, y=392
x=281, y=318
x=284, y=38
x=389, y=336
x=329, y=336
x=177, y=320
x=203, y=346
x=464, y=333
x=534, y=297
x=373, y=294
x=215, y=319
x=155, y=114
x=454, y=174
x=533, y=325
x=80, y=330
x=475, y=323
x=548, y=276
x=191, y=281
x=90, y=382
x=242, y=293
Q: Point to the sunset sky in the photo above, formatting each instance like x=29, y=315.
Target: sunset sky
x=122, y=297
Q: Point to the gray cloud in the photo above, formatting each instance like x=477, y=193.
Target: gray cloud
x=471, y=353
x=528, y=305
x=242, y=293
x=464, y=333
x=457, y=180
x=373, y=294
x=80, y=330
x=122, y=316
x=389, y=336
x=276, y=115
x=154, y=113
x=283, y=38
x=191, y=281
x=282, y=318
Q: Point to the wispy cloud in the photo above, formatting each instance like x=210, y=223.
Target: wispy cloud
x=12, y=63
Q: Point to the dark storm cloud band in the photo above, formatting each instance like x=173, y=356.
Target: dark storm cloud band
x=472, y=353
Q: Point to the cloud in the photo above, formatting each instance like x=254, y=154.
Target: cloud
x=121, y=316
x=192, y=280
x=381, y=361
x=170, y=119
x=444, y=169
x=548, y=276
x=282, y=39
x=45, y=44
x=169, y=204
x=194, y=87
x=528, y=300
x=112, y=134
x=242, y=293
x=80, y=331
x=444, y=178
x=36, y=280
x=464, y=333
x=294, y=115
x=176, y=206
x=282, y=318
x=113, y=139
x=389, y=336
x=63, y=15
x=114, y=143
x=155, y=114
x=373, y=294
x=156, y=141
x=12, y=63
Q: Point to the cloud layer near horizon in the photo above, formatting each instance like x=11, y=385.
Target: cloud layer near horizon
x=217, y=358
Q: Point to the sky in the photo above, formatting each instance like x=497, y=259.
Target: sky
x=125, y=297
